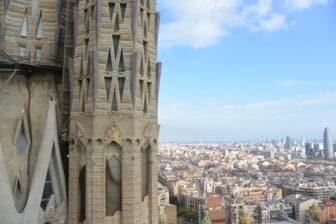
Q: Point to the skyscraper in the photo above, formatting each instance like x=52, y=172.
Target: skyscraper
x=288, y=143
x=328, y=144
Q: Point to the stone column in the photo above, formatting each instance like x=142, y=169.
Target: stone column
x=153, y=188
x=131, y=190
x=74, y=200
x=96, y=184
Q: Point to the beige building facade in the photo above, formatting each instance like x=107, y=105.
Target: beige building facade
x=79, y=86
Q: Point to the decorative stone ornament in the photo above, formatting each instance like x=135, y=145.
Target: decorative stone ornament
x=148, y=136
x=42, y=199
x=113, y=134
x=79, y=134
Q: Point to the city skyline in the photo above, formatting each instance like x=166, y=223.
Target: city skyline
x=264, y=70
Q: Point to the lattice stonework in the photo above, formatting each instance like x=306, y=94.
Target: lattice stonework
x=116, y=49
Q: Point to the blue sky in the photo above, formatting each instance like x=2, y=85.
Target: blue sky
x=242, y=70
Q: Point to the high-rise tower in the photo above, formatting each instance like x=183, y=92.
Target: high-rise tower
x=328, y=144
x=111, y=48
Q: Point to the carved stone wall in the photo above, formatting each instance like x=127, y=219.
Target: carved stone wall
x=85, y=75
x=32, y=181
x=31, y=174
x=114, y=87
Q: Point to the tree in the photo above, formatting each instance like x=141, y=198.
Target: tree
x=245, y=218
x=206, y=220
x=314, y=212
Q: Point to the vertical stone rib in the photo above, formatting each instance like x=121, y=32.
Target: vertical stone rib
x=134, y=77
x=157, y=28
x=135, y=18
x=6, y=4
x=158, y=79
x=71, y=79
x=98, y=21
x=73, y=183
x=95, y=79
x=58, y=11
x=2, y=34
x=57, y=50
x=75, y=24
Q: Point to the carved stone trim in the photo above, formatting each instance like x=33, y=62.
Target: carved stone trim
x=113, y=134
x=79, y=135
x=148, y=136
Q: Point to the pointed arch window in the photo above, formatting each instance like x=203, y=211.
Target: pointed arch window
x=113, y=186
x=145, y=172
x=114, y=101
x=21, y=139
x=47, y=191
x=109, y=67
x=39, y=30
x=123, y=10
x=24, y=26
x=82, y=194
x=108, y=83
x=121, y=84
x=111, y=9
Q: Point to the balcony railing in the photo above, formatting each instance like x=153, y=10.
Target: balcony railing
x=30, y=58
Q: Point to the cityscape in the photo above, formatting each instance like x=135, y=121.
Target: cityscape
x=167, y=112
x=271, y=181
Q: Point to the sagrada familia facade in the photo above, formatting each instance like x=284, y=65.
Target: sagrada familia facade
x=79, y=87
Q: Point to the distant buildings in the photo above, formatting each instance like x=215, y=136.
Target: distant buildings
x=315, y=190
x=301, y=205
x=326, y=211
x=213, y=209
x=276, y=210
x=288, y=143
x=328, y=144
x=168, y=212
x=234, y=180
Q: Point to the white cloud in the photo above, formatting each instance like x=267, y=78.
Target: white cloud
x=201, y=23
x=291, y=83
x=275, y=22
x=197, y=23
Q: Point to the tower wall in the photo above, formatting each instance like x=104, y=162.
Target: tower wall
x=114, y=83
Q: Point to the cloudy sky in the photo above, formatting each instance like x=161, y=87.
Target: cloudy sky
x=247, y=69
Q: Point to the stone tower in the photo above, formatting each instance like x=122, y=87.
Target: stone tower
x=32, y=180
x=113, y=83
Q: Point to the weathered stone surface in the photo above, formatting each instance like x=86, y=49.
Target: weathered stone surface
x=87, y=88
x=124, y=106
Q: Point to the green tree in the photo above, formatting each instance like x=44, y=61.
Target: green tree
x=206, y=220
x=245, y=218
x=314, y=212
x=188, y=214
